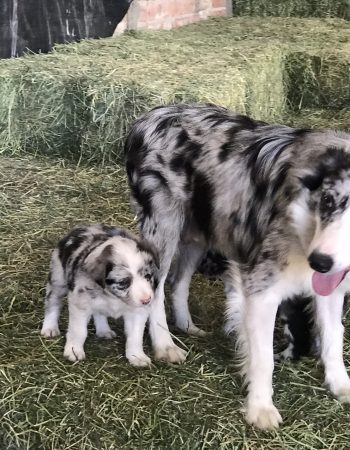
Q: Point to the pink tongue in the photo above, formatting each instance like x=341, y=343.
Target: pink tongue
x=324, y=284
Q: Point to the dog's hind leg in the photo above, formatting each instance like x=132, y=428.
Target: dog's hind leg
x=188, y=258
x=329, y=311
x=56, y=290
x=103, y=330
x=163, y=231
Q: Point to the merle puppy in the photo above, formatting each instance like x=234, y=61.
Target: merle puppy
x=105, y=271
x=274, y=201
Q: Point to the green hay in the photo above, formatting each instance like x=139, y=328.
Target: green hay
x=292, y=8
x=314, y=118
x=78, y=101
x=318, y=81
x=103, y=403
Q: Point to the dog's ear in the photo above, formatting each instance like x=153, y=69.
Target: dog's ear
x=146, y=246
x=96, y=265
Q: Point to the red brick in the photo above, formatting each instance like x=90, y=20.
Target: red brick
x=176, y=8
x=219, y=3
x=204, y=5
x=218, y=12
x=166, y=14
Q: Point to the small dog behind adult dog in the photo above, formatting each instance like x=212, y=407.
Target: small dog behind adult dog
x=106, y=272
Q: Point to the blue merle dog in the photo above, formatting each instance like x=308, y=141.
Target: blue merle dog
x=274, y=201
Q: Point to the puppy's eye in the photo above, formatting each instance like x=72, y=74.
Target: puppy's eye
x=120, y=284
x=148, y=276
x=123, y=284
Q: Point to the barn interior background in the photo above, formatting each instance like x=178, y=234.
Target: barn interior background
x=39, y=24
x=63, y=119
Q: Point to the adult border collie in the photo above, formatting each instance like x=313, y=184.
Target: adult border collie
x=274, y=201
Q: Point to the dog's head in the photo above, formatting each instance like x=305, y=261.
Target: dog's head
x=126, y=268
x=321, y=214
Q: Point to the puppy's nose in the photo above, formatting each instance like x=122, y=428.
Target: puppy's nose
x=320, y=262
x=146, y=300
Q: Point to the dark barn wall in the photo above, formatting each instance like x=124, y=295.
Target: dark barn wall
x=39, y=24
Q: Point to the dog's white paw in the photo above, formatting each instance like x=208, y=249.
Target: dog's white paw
x=339, y=385
x=106, y=334
x=286, y=355
x=193, y=330
x=341, y=391
x=50, y=332
x=265, y=417
x=173, y=354
x=190, y=329
x=74, y=353
x=138, y=359
x=343, y=395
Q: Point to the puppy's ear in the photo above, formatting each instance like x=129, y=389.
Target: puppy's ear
x=146, y=246
x=96, y=265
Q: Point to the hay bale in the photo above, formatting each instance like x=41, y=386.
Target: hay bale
x=318, y=81
x=321, y=118
x=294, y=8
x=78, y=101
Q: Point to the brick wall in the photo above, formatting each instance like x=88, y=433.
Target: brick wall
x=166, y=14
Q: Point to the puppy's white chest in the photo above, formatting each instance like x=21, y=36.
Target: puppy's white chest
x=109, y=306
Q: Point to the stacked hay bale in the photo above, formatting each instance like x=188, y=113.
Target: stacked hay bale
x=78, y=101
x=295, y=8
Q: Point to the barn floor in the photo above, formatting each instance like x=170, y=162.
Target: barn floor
x=103, y=403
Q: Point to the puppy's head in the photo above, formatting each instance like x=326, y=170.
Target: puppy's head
x=126, y=268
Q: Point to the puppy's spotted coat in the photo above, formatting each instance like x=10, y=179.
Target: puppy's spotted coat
x=106, y=272
x=274, y=201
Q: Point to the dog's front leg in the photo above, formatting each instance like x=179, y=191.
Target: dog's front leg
x=329, y=311
x=259, y=313
x=79, y=317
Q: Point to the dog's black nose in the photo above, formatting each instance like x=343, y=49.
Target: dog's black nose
x=320, y=262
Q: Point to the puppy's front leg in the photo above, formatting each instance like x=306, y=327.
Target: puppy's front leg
x=259, y=315
x=77, y=329
x=134, y=324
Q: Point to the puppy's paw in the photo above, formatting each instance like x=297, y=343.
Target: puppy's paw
x=265, y=417
x=286, y=355
x=106, y=334
x=50, y=332
x=138, y=359
x=192, y=330
x=74, y=353
x=173, y=354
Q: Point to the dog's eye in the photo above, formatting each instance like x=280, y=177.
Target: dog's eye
x=120, y=284
x=123, y=284
x=327, y=203
x=148, y=276
x=343, y=203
